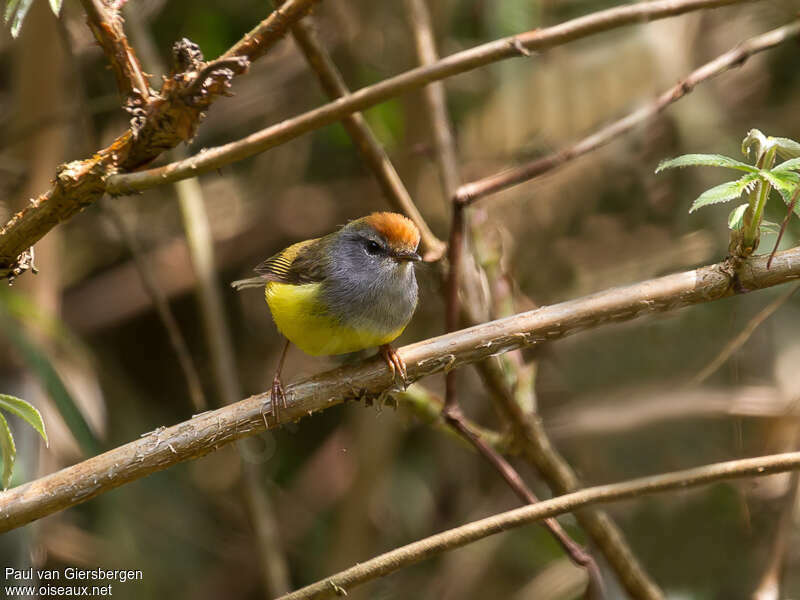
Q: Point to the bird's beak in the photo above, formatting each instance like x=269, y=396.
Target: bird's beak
x=406, y=255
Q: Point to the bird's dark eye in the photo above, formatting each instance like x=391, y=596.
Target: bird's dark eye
x=373, y=247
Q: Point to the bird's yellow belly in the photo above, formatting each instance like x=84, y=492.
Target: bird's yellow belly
x=303, y=320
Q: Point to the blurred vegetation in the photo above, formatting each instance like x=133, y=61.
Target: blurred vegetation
x=354, y=481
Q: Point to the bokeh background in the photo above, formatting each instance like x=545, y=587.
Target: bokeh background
x=352, y=481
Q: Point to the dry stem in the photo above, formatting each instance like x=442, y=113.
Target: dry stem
x=332, y=586
x=470, y=192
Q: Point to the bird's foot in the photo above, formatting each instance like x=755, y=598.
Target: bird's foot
x=277, y=398
x=396, y=364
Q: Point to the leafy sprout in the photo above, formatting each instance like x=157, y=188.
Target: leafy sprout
x=746, y=220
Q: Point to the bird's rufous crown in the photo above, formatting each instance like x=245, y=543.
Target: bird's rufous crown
x=396, y=229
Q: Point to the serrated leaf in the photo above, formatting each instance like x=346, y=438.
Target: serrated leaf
x=9, y=451
x=11, y=6
x=27, y=412
x=704, y=160
x=724, y=192
x=19, y=17
x=783, y=181
x=736, y=216
x=787, y=148
x=55, y=6
x=789, y=165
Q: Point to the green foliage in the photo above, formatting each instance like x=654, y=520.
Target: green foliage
x=705, y=160
x=27, y=413
x=16, y=10
x=725, y=191
x=12, y=313
x=760, y=179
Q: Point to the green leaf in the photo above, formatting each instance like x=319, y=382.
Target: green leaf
x=25, y=411
x=736, y=216
x=785, y=182
x=55, y=6
x=9, y=451
x=11, y=6
x=787, y=148
x=705, y=160
x=19, y=17
x=41, y=366
x=789, y=165
x=724, y=191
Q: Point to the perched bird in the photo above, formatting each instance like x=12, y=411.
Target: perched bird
x=349, y=290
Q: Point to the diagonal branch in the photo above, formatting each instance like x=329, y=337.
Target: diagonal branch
x=106, y=25
x=211, y=430
x=332, y=586
x=523, y=44
x=736, y=57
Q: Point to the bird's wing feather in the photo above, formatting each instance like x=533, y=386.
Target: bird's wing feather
x=298, y=264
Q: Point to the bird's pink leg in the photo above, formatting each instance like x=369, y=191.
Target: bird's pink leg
x=395, y=362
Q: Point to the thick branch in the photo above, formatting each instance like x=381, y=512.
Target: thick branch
x=106, y=25
x=413, y=553
x=470, y=192
x=210, y=430
x=522, y=44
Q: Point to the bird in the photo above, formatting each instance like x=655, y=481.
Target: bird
x=347, y=291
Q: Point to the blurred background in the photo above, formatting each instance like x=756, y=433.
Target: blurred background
x=86, y=344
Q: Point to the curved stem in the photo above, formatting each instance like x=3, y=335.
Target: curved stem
x=335, y=585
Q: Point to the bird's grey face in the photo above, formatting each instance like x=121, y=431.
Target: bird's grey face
x=370, y=281
x=366, y=252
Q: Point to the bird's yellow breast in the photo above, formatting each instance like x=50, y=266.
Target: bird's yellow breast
x=302, y=318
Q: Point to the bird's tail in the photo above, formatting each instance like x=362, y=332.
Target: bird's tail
x=252, y=282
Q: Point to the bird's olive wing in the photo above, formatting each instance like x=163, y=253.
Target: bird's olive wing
x=299, y=263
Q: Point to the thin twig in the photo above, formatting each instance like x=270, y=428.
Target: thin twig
x=214, y=429
x=106, y=25
x=737, y=342
x=370, y=149
x=423, y=549
x=789, y=212
x=470, y=192
x=539, y=452
x=447, y=162
x=161, y=305
x=435, y=100
x=520, y=45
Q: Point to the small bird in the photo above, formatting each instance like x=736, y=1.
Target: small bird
x=352, y=289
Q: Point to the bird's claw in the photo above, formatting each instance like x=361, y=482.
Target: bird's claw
x=277, y=397
x=395, y=362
